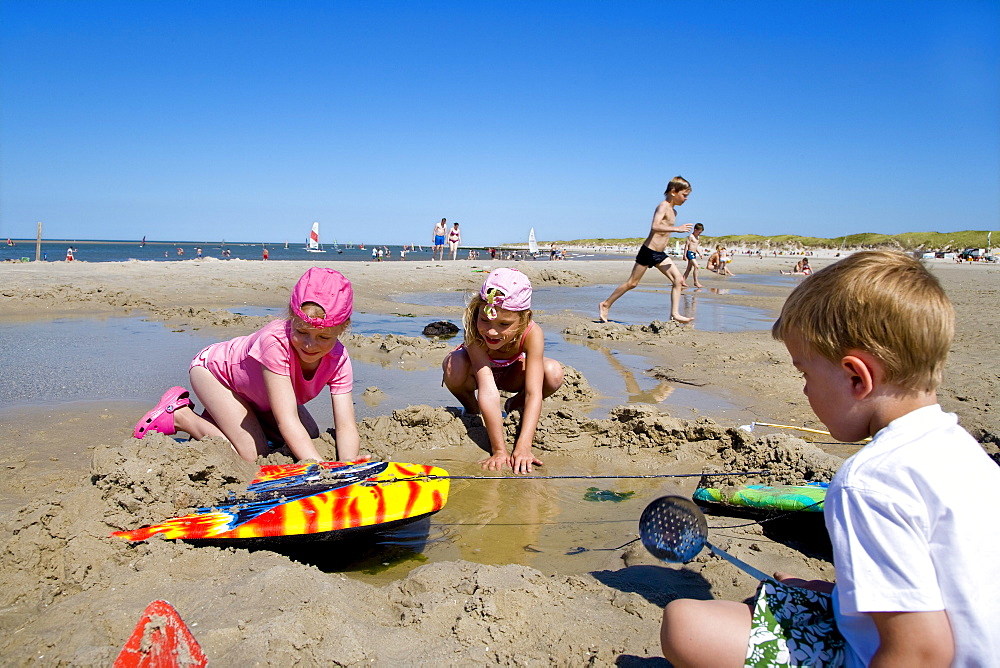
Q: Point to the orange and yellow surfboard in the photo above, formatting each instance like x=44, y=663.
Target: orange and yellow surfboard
x=325, y=500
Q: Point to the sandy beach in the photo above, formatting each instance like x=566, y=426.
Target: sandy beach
x=73, y=474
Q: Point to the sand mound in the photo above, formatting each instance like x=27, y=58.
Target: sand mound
x=616, y=331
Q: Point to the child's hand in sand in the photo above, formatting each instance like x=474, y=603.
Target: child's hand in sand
x=521, y=462
x=496, y=461
x=815, y=585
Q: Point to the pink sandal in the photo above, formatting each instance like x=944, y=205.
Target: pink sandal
x=161, y=418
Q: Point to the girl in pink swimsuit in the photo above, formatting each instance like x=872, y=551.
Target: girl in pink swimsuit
x=503, y=350
x=255, y=387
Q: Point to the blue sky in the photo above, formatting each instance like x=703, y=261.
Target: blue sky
x=249, y=120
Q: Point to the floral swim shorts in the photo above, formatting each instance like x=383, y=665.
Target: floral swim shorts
x=794, y=627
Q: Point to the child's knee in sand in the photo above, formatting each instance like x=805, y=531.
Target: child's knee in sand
x=554, y=376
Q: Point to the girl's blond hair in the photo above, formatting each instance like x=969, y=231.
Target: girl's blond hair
x=472, y=335
x=881, y=302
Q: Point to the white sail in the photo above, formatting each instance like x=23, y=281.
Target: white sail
x=532, y=243
x=313, y=245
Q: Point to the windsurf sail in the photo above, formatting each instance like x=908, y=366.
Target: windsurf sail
x=532, y=242
x=142, y=243
x=313, y=245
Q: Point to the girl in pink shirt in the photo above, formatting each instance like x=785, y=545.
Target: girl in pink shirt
x=254, y=387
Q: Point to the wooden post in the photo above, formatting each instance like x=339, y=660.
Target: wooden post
x=38, y=243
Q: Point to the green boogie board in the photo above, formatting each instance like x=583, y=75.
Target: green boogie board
x=781, y=498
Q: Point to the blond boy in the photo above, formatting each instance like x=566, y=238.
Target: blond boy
x=910, y=516
x=652, y=253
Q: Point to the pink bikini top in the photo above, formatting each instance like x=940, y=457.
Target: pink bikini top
x=520, y=357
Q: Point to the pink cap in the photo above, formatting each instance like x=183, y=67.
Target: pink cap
x=508, y=289
x=328, y=288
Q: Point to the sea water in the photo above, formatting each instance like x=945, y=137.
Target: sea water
x=167, y=251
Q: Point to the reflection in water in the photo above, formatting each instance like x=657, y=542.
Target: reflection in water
x=635, y=393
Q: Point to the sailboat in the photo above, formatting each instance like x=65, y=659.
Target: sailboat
x=312, y=245
x=532, y=243
x=142, y=244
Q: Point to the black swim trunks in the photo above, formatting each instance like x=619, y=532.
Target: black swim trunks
x=649, y=258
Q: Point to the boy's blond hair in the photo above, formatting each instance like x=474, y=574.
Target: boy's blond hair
x=677, y=184
x=472, y=335
x=884, y=303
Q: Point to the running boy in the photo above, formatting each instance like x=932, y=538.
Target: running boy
x=915, y=540
x=652, y=253
x=692, y=251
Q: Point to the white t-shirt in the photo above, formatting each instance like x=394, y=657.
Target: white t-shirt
x=913, y=521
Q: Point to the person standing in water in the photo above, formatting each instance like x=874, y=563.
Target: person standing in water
x=653, y=250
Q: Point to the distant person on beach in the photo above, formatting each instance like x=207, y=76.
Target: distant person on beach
x=440, y=229
x=454, y=239
x=652, y=253
x=911, y=516
x=180, y=251
x=713, y=260
x=264, y=255
x=503, y=350
x=692, y=251
x=725, y=258
x=255, y=387
x=69, y=254
x=801, y=267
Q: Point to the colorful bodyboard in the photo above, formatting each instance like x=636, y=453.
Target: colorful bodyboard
x=325, y=500
x=779, y=498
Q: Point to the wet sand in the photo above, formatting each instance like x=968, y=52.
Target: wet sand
x=73, y=474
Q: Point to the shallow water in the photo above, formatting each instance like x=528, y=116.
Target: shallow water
x=127, y=358
x=639, y=306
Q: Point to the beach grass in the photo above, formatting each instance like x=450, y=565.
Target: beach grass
x=904, y=241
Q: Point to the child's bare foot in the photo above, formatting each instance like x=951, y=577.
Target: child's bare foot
x=684, y=285
x=698, y=285
x=681, y=319
x=603, y=310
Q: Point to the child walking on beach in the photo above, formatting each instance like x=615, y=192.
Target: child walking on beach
x=692, y=251
x=503, y=350
x=910, y=515
x=254, y=387
x=725, y=257
x=652, y=253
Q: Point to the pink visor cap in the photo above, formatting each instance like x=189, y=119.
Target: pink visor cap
x=507, y=289
x=328, y=288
